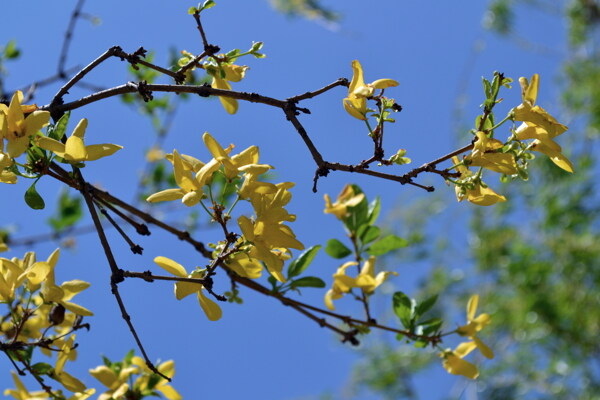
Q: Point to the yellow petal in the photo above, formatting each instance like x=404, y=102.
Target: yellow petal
x=166, y=195
x=36, y=121
x=171, y=266
x=77, y=309
x=483, y=348
x=184, y=289
x=230, y=105
x=458, y=366
x=70, y=382
x=75, y=149
x=211, y=309
x=384, y=83
x=97, y=151
x=357, y=76
x=52, y=145
x=472, y=307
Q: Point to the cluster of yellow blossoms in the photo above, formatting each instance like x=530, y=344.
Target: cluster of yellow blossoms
x=18, y=130
x=265, y=239
x=453, y=359
x=537, y=125
x=38, y=305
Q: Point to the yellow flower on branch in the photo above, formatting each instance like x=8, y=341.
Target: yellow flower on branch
x=117, y=383
x=150, y=381
x=184, y=289
x=453, y=360
x=16, y=128
x=67, y=380
x=21, y=392
x=75, y=149
x=474, y=325
x=233, y=73
x=474, y=191
x=358, y=92
x=485, y=154
x=539, y=125
x=346, y=198
x=366, y=280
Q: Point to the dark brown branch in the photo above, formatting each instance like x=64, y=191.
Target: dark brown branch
x=116, y=272
x=310, y=95
x=68, y=37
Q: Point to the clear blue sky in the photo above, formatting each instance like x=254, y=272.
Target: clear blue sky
x=261, y=349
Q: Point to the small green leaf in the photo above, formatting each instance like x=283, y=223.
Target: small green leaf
x=298, y=266
x=357, y=215
x=207, y=4
x=308, y=281
x=425, y=306
x=386, y=244
x=404, y=309
x=11, y=50
x=60, y=127
x=431, y=325
x=374, y=209
x=337, y=249
x=33, y=198
x=42, y=368
x=192, y=10
x=368, y=233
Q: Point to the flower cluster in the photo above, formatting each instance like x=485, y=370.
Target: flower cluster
x=453, y=359
x=18, y=123
x=510, y=158
x=366, y=280
x=265, y=238
x=42, y=315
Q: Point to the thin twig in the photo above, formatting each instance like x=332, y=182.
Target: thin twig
x=68, y=37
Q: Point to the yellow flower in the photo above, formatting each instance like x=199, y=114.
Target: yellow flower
x=539, y=125
x=68, y=381
x=74, y=149
x=150, y=381
x=365, y=280
x=184, y=289
x=477, y=194
x=527, y=112
x=231, y=164
x=116, y=383
x=356, y=102
x=484, y=155
x=346, y=198
x=474, y=325
x=544, y=144
x=63, y=293
x=233, y=73
x=453, y=361
x=21, y=392
x=16, y=128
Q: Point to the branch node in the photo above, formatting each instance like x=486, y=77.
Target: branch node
x=117, y=277
x=143, y=90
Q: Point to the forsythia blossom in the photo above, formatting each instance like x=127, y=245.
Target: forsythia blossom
x=539, y=125
x=473, y=189
x=74, y=150
x=358, y=92
x=184, y=289
x=346, y=198
x=366, y=280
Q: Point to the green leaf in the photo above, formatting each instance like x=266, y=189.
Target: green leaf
x=426, y=305
x=11, y=50
x=431, y=325
x=207, y=4
x=33, y=198
x=60, y=127
x=404, y=309
x=68, y=213
x=386, y=244
x=308, y=281
x=42, y=368
x=374, y=209
x=298, y=266
x=192, y=10
x=368, y=233
x=337, y=249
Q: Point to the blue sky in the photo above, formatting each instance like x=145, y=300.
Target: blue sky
x=261, y=349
